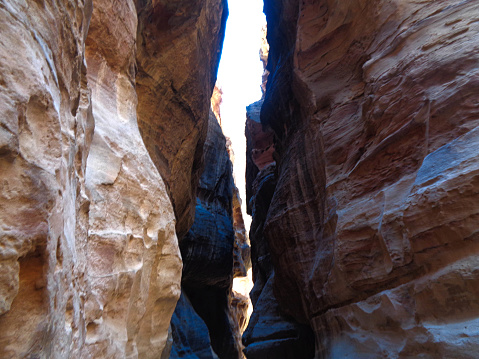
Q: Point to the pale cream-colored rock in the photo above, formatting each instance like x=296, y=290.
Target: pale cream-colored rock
x=216, y=100
x=46, y=127
x=89, y=261
x=134, y=263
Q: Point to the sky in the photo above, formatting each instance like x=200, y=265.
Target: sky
x=239, y=76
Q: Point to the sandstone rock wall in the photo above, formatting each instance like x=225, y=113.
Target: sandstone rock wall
x=46, y=133
x=89, y=259
x=179, y=47
x=134, y=261
x=239, y=301
x=208, y=254
x=372, y=226
x=191, y=338
x=270, y=333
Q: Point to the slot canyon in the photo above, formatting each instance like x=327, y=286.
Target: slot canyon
x=123, y=227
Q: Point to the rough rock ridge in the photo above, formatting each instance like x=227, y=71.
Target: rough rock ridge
x=206, y=322
x=179, y=48
x=207, y=249
x=89, y=260
x=372, y=225
x=270, y=333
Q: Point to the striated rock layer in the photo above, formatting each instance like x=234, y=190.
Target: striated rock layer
x=372, y=226
x=89, y=260
x=210, y=317
x=179, y=48
x=270, y=333
x=207, y=252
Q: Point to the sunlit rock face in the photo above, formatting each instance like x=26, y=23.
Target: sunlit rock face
x=90, y=265
x=372, y=226
x=239, y=302
x=178, y=50
x=134, y=264
x=45, y=136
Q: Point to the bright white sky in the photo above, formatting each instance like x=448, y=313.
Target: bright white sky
x=239, y=76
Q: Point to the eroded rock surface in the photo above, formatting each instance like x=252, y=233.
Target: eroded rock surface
x=132, y=251
x=190, y=334
x=207, y=252
x=179, y=47
x=270, y=333
x=372, y=226
x=46, y=131
x=90, y=265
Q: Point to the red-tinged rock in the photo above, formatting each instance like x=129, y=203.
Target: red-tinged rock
x=374, y=109
x=259, y=147
x=178, y=50
x=89, y=259
x=212, y=255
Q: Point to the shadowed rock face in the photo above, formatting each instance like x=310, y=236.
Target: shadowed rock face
x=372, y=227
x=207, y=249
x=207, y=252
x=178, y=50
x=260, y=147
x=90, y=265
x=270, y=333
x=190, y=334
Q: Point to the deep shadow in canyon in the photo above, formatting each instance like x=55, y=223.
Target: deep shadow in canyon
x=120, y=223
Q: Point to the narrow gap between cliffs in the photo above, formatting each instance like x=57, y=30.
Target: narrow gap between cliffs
x=239, y=84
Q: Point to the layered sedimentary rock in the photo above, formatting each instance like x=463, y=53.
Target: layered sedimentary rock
x=270, y=333
x=134, y=262
x=207, y=252
x=215, y=251
x=372, y=227
x=239, y=302
x=46, y=132
x=89, y=258
x=179, y=47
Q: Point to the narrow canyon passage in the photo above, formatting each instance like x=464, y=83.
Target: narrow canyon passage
x=364, y=231
x=123, y=224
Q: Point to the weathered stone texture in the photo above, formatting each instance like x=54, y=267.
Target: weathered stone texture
x=191, y=337
x=207, y=249
x=207, y=252
x=179, y=47
x=45, y=135
x=89, y=260
x=372, y=227
x=270, y=333
x=259, y=148
x=242, y=249
x=134, y=262
x=239, y=301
